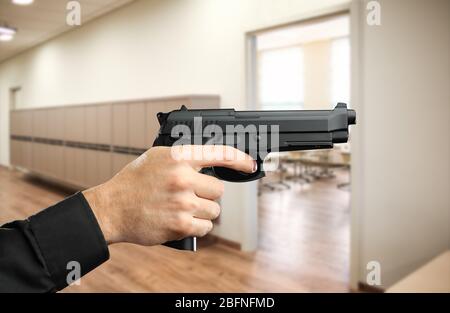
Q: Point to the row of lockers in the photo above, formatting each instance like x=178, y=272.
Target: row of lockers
x=75, y=166
x=131, y=125
x=128, y=124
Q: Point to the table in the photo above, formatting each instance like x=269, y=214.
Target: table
x=320, y=159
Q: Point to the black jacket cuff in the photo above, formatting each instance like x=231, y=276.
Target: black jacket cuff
x=68, y=231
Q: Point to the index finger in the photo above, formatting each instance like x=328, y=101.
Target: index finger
x=216, y=155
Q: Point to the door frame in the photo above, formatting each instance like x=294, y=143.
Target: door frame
x=251, y=97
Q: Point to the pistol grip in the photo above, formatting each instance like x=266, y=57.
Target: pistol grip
x=188, y=243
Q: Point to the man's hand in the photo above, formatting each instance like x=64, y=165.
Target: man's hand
x=159, y=198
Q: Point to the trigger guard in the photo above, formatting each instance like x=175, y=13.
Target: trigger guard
x=230, y=175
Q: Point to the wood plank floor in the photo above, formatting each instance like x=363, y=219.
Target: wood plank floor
x=304, y=245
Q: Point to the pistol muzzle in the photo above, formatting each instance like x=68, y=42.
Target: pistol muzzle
x=351, y=117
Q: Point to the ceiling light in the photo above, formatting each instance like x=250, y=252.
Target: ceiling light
x=6, y=37
x=6, y=33
x=22, y=2
x=7, y=30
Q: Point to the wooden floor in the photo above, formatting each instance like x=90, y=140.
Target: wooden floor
x=304, y=246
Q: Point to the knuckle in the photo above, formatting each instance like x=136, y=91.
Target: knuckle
x=189, y=204
x=183, y=225
x=183, y=203
x=178, y=182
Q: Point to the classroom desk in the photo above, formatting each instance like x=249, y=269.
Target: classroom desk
x=316, y=160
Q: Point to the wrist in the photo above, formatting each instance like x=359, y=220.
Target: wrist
x=100, y=203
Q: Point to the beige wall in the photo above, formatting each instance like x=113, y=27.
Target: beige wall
x=317, y=74
x=401, y=147
x=152, y=49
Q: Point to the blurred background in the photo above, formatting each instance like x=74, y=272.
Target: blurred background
x=81, y=83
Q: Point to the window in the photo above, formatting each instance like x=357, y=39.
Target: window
x=340, y=71
x=305, y=65
x=281, y=76
x=281, y=79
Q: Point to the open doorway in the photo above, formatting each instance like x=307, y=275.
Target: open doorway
x=304, y=206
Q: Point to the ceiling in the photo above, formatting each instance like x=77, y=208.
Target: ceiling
x=323, y=29
x=43, y=20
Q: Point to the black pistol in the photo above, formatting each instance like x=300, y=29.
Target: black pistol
x=255, y=132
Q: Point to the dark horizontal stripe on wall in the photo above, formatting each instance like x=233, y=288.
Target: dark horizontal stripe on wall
x=76, y=144
x=100, y=147
x=137, y=151
x=119, y=149
x=53, y=142
x=88, y=146
x=128, y=150
x=21, y=138
x=97, y=147
x=40, y=140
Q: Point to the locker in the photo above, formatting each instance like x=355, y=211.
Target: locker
x=104, y=167
x=153, y=108
x=91, y=175
x=74, y=124
x=104, y=122
x=126, y=125
x=40, y=123
x=55, y=161
x=98, y=167
x=26, y=123
x=74, y=166
x=15, y=153
x=120, y=125
x=55, y=127
x=26, y=151
x=39, y=161
x=91, y=124
x=209, y=102
x=120, y=160
x=137, y=125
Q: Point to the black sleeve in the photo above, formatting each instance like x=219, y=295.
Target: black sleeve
x=34, y=253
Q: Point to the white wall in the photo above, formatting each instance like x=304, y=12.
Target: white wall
x=151, y=49
x=401, y=170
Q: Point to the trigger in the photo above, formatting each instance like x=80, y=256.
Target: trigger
x=208, y=171
x=230, y=175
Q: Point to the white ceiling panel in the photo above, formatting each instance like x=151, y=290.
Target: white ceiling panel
x=43, y=20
